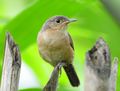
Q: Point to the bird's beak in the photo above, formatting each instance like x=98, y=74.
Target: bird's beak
x=67, y=22
x=70, y=20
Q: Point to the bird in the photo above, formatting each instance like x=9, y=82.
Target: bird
x=55, y=45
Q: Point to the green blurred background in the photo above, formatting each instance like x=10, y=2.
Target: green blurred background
x=24, y=18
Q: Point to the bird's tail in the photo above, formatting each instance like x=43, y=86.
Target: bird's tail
x=72, y=76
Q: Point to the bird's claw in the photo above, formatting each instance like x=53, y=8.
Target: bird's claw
x=60, y=65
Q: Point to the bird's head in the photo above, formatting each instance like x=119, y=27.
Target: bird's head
x=58, y=23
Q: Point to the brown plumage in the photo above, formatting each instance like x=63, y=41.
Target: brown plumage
x=55, y=45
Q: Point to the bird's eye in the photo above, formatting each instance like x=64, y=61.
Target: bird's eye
x=58, y=21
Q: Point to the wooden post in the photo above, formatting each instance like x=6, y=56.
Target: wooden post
x=98, y=73
x=11, y=66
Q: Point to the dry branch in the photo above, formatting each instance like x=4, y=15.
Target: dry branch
x=52, y=83
x=11, y=66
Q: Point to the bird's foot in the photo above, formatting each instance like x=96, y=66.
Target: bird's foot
x=60, y=65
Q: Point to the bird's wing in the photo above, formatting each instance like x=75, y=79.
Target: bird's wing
x=71, y=42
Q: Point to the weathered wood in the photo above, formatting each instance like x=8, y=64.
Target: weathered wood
x=98, y=67
x=11, y=66
x=52, y=83
x=113, y=76
x=99, y=76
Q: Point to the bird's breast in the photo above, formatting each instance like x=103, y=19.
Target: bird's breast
x=54, y=46
x=55, y=39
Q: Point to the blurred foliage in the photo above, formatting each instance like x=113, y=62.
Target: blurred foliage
x=93, y=22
